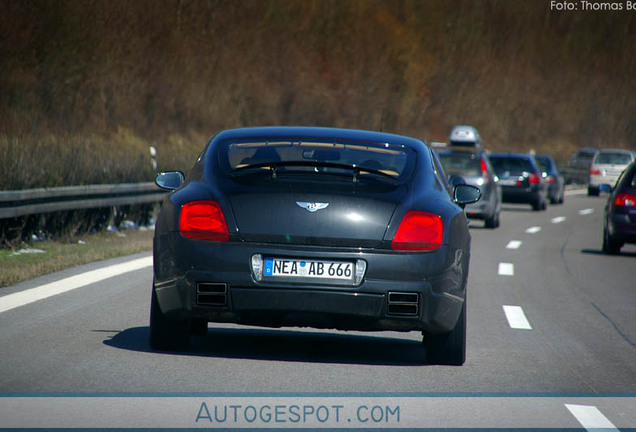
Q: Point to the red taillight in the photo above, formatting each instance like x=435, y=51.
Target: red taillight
x=484, y=170
x=625, y=200
x=419, y=231
x=595, y=171
x=534, y=179
x=203, y=220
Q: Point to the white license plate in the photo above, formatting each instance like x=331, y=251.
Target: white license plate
x=283, y=267
x=508, y=182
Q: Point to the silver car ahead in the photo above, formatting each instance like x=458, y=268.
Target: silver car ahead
x=607, y=166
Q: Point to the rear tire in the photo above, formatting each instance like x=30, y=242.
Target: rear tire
x=610, y=245
x=199, y=327
x=166, y=334
x=592, y=191
x=492, y=221
x=539, y=205
x=450, y=348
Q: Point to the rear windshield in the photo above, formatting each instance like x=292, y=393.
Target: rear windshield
x=511, y=165
x=613, y=158
x=461, y=163
x=544, y=164
x=392, y=160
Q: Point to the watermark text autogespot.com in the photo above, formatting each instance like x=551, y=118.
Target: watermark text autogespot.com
x=592, y=6
x=299, y=414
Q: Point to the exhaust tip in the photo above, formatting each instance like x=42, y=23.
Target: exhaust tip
x=211, y=294
x=403, y=304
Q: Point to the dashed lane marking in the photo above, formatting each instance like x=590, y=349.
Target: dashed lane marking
x=586, y=211
x=513, y=244
x=591, y=418
x=516, y=318
x=506, y=269
x=533, y=230
x=559, y=219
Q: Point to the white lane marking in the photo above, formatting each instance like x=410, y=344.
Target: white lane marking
x=559, y=219
x=506, y=269
x=513, y=244
x=591, y=418
x=516, y=318
x=22, y=298
x=533, y=230
x=586, y=211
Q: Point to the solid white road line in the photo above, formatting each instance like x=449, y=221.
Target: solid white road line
x=506, y=269
x=559, y=219
x=533, y=230
x=516, y=318
x=22, y=298
x=591, y=418
x=513, y=244
x=586, y=211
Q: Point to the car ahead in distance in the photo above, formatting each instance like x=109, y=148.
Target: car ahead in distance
x=578, y=171
x=473, y=165
x=607, y=166
x=620, y=213
x=520, y=179
x=317, y=227
x=556, y=181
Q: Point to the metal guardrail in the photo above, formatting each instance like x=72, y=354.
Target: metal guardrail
x=46, y=200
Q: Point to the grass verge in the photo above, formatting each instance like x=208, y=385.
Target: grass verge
x=58, y=255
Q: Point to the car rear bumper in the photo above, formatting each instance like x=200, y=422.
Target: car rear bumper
x=399, y=292
x=480, y=210
x=598, y=180
x=522, y=195
x=623, y=227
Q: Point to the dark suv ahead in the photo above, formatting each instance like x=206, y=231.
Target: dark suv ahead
x=521, y=179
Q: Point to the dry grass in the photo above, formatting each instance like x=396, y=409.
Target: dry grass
x=86, y=87
x=61, y=255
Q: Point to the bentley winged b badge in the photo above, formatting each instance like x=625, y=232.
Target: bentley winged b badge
x=312, y=206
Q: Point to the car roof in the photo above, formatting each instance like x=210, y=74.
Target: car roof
x=464, y=134
x=615, y=150
x=321, y=133
x=510, y=155
x=447, y=150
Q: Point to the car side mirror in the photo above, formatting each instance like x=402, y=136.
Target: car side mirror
x=170, y=180
x=464, y=194
x=454, y=180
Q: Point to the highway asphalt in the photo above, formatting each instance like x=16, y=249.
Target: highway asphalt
x=551, y=324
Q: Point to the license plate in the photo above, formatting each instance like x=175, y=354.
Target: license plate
x=508, y=182
x=299, y=268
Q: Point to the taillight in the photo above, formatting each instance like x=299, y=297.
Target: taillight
x=484, y=170
x=534, y=178
x=419, y=231
x=203, y=220
x=549, y=179
x=595, y=171
x=625, y=200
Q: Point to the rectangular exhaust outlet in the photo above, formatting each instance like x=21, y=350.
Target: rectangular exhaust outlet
x=403, y=304
x=211, y=294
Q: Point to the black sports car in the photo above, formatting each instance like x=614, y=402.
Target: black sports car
x=316, y=227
